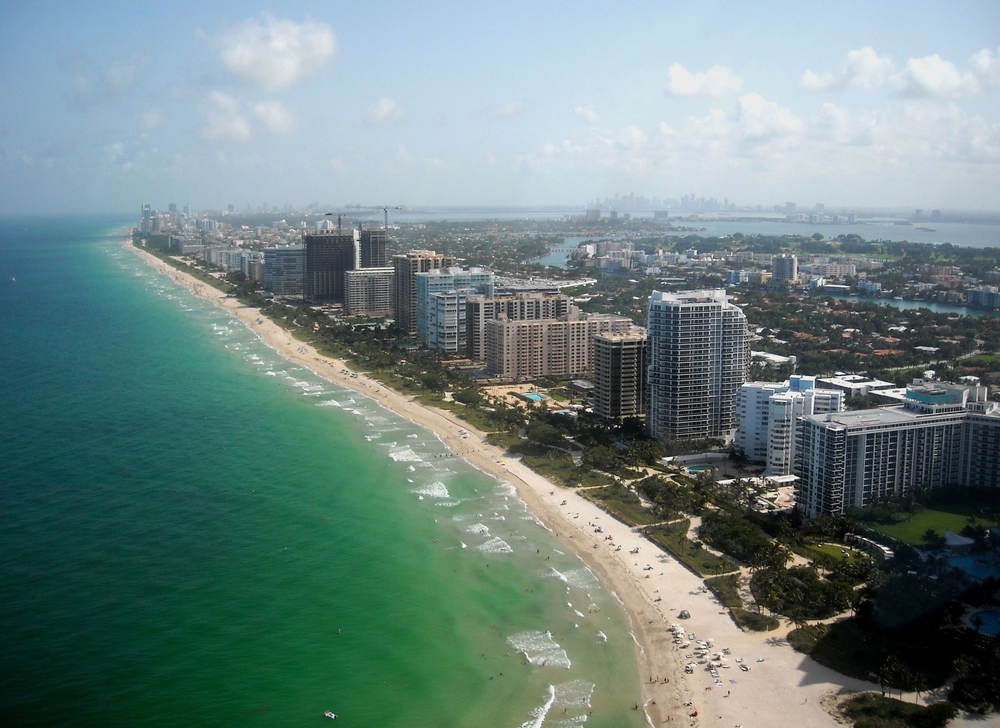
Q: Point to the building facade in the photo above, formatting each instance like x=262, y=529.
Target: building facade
x=784, y=269
x=368, y=291
x=284, y=270
x=373, y=245
x=698, y=359
x=768, y=419
x=620, y=375
x=441, y=304
x=519, y=307
x=406, y=267
x=329, y=255
x=547, y=347
x=943, y=435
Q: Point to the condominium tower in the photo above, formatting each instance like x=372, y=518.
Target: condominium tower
x=698, y=359
x=405, y=283
x=620, y=375
x=329, y=255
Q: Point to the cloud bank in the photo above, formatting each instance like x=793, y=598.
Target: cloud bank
x=275, y=54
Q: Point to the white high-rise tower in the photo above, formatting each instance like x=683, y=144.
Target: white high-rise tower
x=698, y=358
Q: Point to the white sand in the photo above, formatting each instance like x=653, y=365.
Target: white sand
x=787, y=689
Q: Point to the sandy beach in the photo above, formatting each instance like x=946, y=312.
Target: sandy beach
x=781, y=687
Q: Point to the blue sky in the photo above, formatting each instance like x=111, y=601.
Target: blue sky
x=107, y=105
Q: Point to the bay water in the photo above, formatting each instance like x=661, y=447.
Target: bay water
x=194, y=531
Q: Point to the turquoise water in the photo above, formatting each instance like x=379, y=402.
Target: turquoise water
x=990, y=621
x=196, y=532
x=969, y=566
x=699, y=468
x=535, y=397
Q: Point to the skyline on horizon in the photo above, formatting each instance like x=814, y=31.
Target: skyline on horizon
x=106, y=106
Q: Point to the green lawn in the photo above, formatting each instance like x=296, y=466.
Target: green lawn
x=673, y=538
x=621, y=503
x=911, y=527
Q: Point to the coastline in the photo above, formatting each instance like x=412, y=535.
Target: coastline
x=796, y=690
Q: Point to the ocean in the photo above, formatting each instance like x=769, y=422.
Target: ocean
x=196, y=532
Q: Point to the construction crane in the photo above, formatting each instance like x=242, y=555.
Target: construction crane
x=375, y=208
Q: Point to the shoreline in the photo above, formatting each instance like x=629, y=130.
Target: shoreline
x=651, y=587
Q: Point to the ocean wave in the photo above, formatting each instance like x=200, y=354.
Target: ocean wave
x=436, y=489
x=479, y=529
x=581, y=578
x=496, y=545
x=406, y=455
x=539, y=648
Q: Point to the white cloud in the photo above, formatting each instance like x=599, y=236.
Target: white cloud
x=512, y=109
x=94, y=86
x=763, y=142
x=275, y=54
x=404, y=156
x=716, y=81
x=759, y=118
x=930, y=76
x=862, y=68
x=152, y=119
x=933, y=76
x=276, y=117
x=588, y=113
x=385, y=110
x=987, y=67
x=224, y=119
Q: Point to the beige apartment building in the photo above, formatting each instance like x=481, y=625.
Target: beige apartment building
x=546, y=347
x=519, y=307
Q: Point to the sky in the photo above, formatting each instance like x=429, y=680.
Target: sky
x=106, y=105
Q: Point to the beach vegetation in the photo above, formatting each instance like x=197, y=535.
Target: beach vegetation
x=870, y=710
x=742, y=539
x=621, y=503
x=672, y=537
x=799, y=592
x=753, y=621
x=726, y=589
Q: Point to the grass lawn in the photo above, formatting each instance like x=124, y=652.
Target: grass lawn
x=621, y=503
x=673, y=538
x=726, y=589
x=911, y=527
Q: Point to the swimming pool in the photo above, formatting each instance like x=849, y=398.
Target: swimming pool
x=699, y=468
x=969, y=566
x=989, y=621
x=535, y=397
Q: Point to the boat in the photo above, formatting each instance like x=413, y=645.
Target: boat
x=330, y=714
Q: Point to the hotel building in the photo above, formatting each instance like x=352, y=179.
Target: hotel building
x=943, y=435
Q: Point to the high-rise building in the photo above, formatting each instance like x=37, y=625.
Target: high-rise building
x=768, y=418
x=406, y=267
x=620, y=375
x=329, y=255
x=187, y=210
x=943, y=435
x=441, y=299
x=784, y=269
x=374, y=253
x=368, y=291
x=284, y=270
x=698, y=359
x=519, y=307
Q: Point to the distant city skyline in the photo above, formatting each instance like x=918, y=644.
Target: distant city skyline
x=107, y=105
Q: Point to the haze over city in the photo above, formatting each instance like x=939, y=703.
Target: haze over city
x=106, y=105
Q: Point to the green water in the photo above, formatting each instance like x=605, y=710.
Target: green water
x=196, y=532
